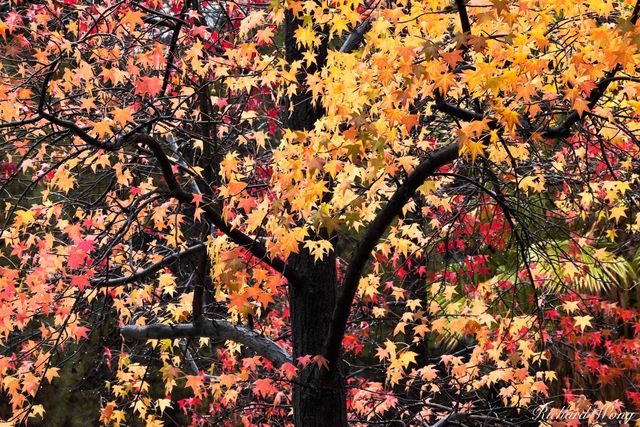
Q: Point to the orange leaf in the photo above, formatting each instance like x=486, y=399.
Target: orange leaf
x=452, y=58
x=321, y=361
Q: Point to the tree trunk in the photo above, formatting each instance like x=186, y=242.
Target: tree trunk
x=317, y=401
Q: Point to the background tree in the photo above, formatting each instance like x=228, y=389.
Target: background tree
x=320, y=212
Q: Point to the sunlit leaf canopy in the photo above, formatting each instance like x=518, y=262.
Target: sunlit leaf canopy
x=136, y=134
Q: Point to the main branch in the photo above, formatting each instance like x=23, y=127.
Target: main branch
x=375, y=231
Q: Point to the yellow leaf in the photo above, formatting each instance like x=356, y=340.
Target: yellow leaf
x=570, y=306
x=64, y=181
x=535, y=183
x=37, y=410
x=51, y=374
x=305, y=36
x=318, y=248
x=103, y=128
x=407, y=357
x=583, y=321
x=474, y=147
x=26, y=217
x=163, y=404
x=618, y=212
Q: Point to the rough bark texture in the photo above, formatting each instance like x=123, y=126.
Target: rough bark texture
x=319, y=400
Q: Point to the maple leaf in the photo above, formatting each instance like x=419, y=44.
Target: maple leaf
x=88, y=104
x=122, y=116
x=132, y=19
x=196, y=383
x=103, y=128
x=247, y=204
x=382, y=353
x=51, y=373
x=80, y=282
x=251, y=21
x=148, y=86
x=163, y=404
x=85, y=245
x=13, y=20
x=239, y=301
x=264, y=388
x=473, y=147
x=76, y=258
x=501, y=5
x=321, y=361
x=26, y=217
x=305, y=36
x=339, y=26
x=197, y=199
x=64, y=180
x=618, y=212
x=289, y=370
x=264, y=36
x=303, y=360
x=410, y=121
x=452, y=58
x=536, y=183
x=3, y=29
x=407, y=357
x=113, y=75
x=580, y=106
x=80, y=332
x=318, y=248
x=37, y=411
x=583, y=321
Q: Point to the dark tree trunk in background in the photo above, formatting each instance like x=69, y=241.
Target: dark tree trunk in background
x=304, y=113
x=317, y=401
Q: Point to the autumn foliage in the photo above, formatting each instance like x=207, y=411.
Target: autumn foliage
x=320, y=213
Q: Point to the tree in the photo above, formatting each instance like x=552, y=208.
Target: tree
x=321, y=212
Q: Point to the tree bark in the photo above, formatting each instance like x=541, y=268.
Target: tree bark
x=318, y=400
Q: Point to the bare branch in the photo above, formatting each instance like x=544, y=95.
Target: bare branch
x=356, y=36
x=117, y=281
x=173, y=45
x=217, y=329
x=464, y=17
x=455, y=111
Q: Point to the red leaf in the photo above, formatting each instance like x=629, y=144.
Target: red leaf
x=80, y=282
x=149, y=86
x=264, y=388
